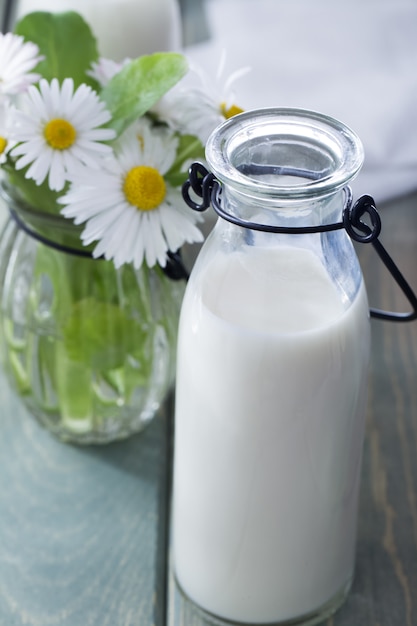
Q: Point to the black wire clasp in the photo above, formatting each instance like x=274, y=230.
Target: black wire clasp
x=205, y=185
x=174, y=267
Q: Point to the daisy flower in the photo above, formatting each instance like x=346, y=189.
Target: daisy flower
x=17, y=59
x=61, y=129
x=104, y=69
x=199, y=110
x=128, y=206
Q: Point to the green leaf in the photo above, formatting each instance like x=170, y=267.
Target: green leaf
x=99, y=333
x=38, y=196
x=95, y=331
x=74, y=391
x=140, y=84
x=65, y=40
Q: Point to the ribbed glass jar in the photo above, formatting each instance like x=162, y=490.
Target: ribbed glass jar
x=89, y=349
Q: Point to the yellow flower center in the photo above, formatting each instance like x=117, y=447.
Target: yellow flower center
x=231, y=111
x=144, y=187
x=60, y=134
x=3, y=144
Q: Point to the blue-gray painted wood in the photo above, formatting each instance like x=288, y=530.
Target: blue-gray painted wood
x=81, y=528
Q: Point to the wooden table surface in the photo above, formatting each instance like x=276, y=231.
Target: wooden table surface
x=84, y=531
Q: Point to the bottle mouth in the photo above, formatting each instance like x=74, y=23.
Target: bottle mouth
x=284, y=153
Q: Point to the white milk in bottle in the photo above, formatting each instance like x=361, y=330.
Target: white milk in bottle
x=273, y=354
x=269, y=430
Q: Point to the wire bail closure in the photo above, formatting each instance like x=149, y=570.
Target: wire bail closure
x=206, y=186
x=174, y=268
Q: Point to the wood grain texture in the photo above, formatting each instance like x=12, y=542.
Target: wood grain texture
x=385, y=587
x=384, y=591
x=82, y=529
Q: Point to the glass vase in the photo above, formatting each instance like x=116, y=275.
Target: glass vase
x=89, y=349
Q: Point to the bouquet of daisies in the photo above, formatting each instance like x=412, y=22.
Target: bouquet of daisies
x=93, y=155
x=105, y=144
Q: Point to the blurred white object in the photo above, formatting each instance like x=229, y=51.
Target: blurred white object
x=355, y=61
x=124, y=28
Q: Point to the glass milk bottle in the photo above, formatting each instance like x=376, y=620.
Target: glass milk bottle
x=272, y=367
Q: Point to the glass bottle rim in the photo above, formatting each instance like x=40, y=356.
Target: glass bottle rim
x=321, y=137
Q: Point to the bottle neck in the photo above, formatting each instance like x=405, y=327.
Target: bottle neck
x=275, y=212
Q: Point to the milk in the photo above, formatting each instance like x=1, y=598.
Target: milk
x=271, y=387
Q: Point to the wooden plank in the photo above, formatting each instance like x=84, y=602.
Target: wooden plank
x=385, y=587
x=384, y=591
x=82, y=529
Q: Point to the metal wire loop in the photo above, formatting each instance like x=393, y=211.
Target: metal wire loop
x=207, y=187
x=46, y=241
x=353, y=223
x=201, y=181
x=174, y=268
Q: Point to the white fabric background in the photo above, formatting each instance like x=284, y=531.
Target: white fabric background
x=356, y=61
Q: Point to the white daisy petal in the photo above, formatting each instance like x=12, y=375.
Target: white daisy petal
x=67, y=91
x=98, y=134
x=99, y=224
x=105, y=246
x=139, y=250
x=37, y=103
x=17, y=59
x=49, y=93
x=97, y=252
x=31, y=148
x=126, y=253
x=81, y=101
x=23, y=162
x=78, y=156
x=39, y=169
x=114, y=235
x=105, y=69
x=160, y=241
x=171, y=229
x=56, y=178
x=71, y=163
x=155, y=244
x=149, y=239
x=94, y=146
x=83, y=209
